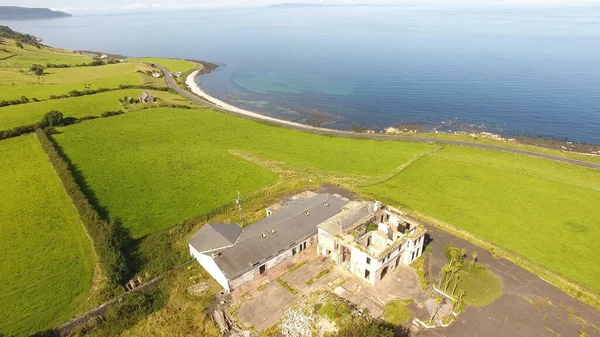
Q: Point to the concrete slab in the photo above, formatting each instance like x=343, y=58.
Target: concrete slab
x=266, y=307
x=403, y=283
x=298, y=278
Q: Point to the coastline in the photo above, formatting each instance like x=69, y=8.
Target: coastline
x=412, y=130
x=190, y=82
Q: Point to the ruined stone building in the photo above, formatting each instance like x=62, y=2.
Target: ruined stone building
x=365, y=238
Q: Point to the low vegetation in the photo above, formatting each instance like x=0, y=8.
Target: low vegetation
x=396, y=312
x=183, y=313
x=47, y=261
x=468, y=281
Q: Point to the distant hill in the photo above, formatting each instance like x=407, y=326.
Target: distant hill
x=23, y=13
x=297, y=5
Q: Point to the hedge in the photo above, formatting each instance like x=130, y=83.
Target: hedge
x=108, y=237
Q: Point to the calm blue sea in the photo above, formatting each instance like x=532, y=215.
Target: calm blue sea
x=505, y=70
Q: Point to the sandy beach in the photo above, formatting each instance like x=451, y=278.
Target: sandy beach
x=190, y=81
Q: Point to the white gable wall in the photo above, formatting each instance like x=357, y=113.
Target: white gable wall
x=207, y=262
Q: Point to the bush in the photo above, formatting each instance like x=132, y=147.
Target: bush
x=108, y=238
x=53, y=118
x=365, y=329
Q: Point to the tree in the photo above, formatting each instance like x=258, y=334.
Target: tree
x=20, y=44
x=53, y=118
x=365, y=329
x=39, y=72
x=474, y=255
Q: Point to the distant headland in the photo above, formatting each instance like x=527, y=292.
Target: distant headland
x=24, y=13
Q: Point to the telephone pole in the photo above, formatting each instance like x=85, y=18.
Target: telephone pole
x=238, y=201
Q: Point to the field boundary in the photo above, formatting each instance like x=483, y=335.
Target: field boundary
x=399, y=169
x=569, y=287
x=105, y=236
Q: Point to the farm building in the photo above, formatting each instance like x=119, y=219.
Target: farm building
x=370, y=240
x=330, y=223
x=234, y=255
x=146, y=98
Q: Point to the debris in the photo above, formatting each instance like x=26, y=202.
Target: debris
x=297, y=324
x=198, y=289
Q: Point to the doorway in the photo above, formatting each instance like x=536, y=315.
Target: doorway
x=383, y=273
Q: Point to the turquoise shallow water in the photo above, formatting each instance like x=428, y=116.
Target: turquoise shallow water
x=505, y=70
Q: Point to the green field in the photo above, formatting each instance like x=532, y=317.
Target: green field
x=542, y=210
x=89, y=105
x=15, y=83
x=47, y=261
x=31, y=55
x=172, y=65
x=159, y=167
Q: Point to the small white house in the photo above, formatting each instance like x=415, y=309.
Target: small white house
x=103, y=56
x=156, y=74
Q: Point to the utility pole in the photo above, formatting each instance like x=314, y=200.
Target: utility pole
x=238, y=201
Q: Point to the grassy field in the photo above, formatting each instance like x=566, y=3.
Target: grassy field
x=47, y=261
x=14, y=83
x=89, y=105
x=31, y=55
x=539, y=209
x=162, y=166
x=172, y=65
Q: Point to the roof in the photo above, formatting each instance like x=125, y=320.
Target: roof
x=215, y=236
x=355, y=213
x=290, y=226
x=145, y=95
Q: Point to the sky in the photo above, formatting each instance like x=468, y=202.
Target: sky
x=116, y=5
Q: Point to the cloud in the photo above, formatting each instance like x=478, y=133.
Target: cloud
x=141, y=6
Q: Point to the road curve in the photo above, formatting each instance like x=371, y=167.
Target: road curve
x=171, y=83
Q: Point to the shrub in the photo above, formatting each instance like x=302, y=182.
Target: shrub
x=365, y=329
x=53, y=118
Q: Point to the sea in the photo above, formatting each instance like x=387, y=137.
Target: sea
x=531, y=71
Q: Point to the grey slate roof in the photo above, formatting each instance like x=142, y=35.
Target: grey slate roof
x=215, y=236
x=356, y=212
x=290, y=225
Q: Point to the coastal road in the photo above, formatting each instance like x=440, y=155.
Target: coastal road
x=173, y=85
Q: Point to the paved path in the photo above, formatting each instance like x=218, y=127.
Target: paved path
x=171, y=83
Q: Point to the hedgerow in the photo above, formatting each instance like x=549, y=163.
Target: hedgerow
x=108, y=237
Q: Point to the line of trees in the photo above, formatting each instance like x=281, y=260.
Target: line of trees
x=108, y=237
